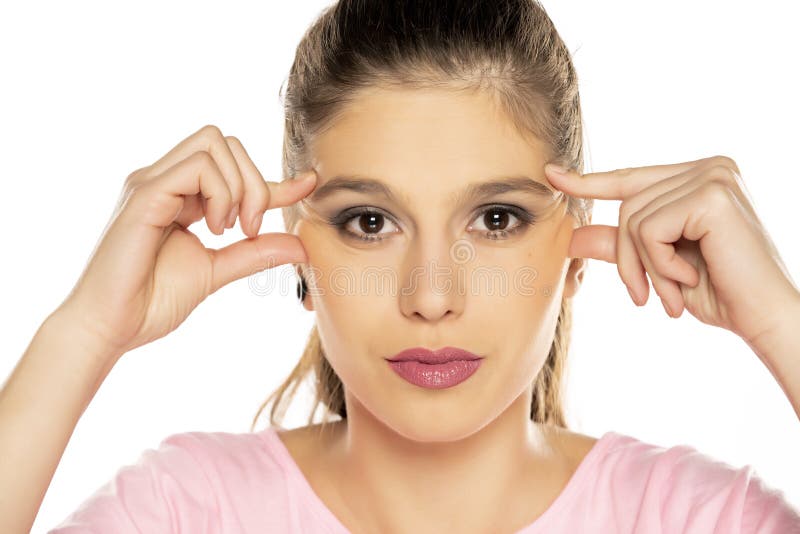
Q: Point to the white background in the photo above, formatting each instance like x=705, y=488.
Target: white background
x=92, y=91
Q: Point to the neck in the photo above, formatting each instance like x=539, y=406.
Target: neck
x=458, y=479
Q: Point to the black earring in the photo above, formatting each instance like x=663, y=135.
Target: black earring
x=302, y=289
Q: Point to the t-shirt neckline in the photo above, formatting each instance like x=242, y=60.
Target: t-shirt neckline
x=573, y=486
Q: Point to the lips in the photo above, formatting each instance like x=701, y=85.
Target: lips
x=432, y=357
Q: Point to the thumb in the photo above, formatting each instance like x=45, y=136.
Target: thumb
x=597, y=241
x=252, y=255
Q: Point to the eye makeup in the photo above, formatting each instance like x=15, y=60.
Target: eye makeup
x=501, y=221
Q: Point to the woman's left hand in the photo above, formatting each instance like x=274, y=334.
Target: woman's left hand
x=692, y=227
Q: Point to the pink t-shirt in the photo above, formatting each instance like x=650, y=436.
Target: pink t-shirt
x=219, y=482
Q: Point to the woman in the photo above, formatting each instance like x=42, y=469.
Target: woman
x=418, y=137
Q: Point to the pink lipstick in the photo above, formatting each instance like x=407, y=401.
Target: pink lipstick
x=437, y=369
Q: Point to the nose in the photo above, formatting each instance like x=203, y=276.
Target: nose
x=433, y=287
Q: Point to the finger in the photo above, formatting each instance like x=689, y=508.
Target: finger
x=662, y=225
x=285, y=193
x=601, y=242
x=256, y=192
x=613, y=185
x=654, y=229
x=716, y=168
x=629, y=263
x=253, y=255
x=149, y=209
x=597, y=241
x=194, y=209
x=630, y=267
x=666, y=288
x=210, y=139
x=161, y=200
x=614, y=244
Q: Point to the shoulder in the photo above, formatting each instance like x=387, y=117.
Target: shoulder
x=685, y=486
x=244, y=476
x=228, y=458
x=190, y=482
x=215, y=444
x=682, y=468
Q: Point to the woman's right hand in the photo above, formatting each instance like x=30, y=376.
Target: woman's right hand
x=148, y=271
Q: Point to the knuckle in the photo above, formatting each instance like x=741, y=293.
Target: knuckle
x=259, y=196
x=634, y=221
x=647, y=229
x=237, y=188
x=133, y=187
x=204, y=158
x=723, y=173
x=233, y=140
x=139, y=175
x=211, y=132
x=716, y=194
x=626, y=210
x=137, y=194
x=132, y=176
x=135, y=181
x=724, y=161
x=131, y=181
x=229, y=198
x=130, y=191
x=728, y=176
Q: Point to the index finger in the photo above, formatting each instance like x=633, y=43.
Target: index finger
x=209, y=138
x=618, y=184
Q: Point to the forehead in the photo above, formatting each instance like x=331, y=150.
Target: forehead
x=437, y=138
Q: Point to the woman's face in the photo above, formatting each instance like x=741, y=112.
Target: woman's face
x=434, y=266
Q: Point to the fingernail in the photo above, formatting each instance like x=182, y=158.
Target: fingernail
x=310, y=177
x=257, y=222
x=633, y=297
x=666, y=308
x=232, y=217
x=557, y=169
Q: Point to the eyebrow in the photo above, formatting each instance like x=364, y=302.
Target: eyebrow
x=473, y=192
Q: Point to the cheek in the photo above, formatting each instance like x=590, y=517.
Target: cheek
x=350, y=306
x=521, y=306
x=318, y=245
x=352, y=328
x=531, y=270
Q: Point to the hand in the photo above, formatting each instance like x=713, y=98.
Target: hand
x=692, y=228
x=148, y=272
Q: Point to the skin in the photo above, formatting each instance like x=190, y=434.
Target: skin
x=407, y=453
x=690, y=227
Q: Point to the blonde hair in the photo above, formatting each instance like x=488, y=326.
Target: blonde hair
x=509, y=48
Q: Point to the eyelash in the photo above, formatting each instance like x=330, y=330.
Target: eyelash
x=524, y=217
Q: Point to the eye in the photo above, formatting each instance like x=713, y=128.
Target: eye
x=497, y=221
x=364, y=224
x=368, y=224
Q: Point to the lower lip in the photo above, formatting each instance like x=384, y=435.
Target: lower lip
x=436, y=376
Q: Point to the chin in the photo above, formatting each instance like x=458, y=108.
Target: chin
x=434, y=430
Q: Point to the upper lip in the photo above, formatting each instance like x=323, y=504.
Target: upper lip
x=443, y=355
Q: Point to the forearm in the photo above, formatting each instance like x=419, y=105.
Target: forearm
x=40, y=404
x=780, y=352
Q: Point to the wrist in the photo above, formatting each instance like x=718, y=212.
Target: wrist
x=782, y=340
x=779, y=349
x=68, y=324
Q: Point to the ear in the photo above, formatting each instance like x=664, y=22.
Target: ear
x=577, y=266
x=308, y=302
x=574, y=277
